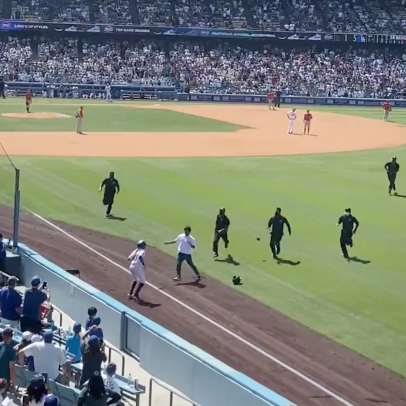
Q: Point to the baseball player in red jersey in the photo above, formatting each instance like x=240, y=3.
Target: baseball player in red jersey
x=386, y=109
x=28, y=100
x=307, y=118
x=270, y=96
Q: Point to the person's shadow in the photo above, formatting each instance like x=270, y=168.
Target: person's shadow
x=197, y=284
x=283, y=261
x=148, y=304
x=117, y=218
x=398, y=195
x=359, y=260
x=229, y=260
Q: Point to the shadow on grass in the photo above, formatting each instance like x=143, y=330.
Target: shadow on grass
x=359, y=260
x=282, y=261
x=117, y=218
x=398, y=195
x=229, y=260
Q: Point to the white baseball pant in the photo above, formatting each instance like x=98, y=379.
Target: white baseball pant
x=385, y=115
x=108, y=96
x=307, y=125
x=290, y=126
x=138, y=274
x=79, y=125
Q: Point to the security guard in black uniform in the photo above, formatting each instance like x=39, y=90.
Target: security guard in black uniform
x=276, y=225
x=220, y=231
x=347, y=220
x=392, y=169
x=111, y=187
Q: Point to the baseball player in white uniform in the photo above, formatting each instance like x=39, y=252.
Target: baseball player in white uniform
x=108, y=94
x=291, y=119
x=137, y=267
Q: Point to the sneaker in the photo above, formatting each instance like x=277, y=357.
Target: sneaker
x=215, y=255
x=176, y=278
x=198, y=278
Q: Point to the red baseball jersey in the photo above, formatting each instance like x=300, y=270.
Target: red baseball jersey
x=270, y=96
x=28, y=96
x=386, y=106
x=307, y=117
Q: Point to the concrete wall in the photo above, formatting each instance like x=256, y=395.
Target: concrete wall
x=162, y=354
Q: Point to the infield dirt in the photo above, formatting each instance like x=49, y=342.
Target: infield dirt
x=267, y=135
x=349, y=375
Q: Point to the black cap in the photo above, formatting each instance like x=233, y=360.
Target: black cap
x=348, y=210
x=111, y=174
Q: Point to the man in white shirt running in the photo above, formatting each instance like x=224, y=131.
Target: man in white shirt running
x=185, y=245
x=291, y=118
x=137, y=267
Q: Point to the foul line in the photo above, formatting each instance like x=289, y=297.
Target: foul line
x=202, y=316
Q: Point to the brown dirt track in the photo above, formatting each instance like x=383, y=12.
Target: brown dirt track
x=342, y=371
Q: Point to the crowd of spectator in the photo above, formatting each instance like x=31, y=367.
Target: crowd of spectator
x=29, y=340
x=219, y=69
x=353, y=16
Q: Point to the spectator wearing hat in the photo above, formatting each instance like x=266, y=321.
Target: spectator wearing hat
x=92, y=359
x=8, y=358
x=95, y=330
x=51, y=400
x=91, y=313
x=10, y=304
x=36, y=392
x=94, y=393
x=108, y=378
x=74, y=342
x=26, y=341
x=48, y=357
x=33, y=299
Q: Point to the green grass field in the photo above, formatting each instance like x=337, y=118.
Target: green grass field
x=108, y=118
x=361, y=305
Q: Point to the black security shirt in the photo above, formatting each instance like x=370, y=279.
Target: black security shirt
x=277, y=223
x=392, y=168
x=348, y=223
x=222, y=222
x=111, y=186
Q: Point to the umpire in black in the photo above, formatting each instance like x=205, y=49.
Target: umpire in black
x=220, y=231
x=111, y=187
x=276, y=225
x=277, y=99
x=2, y=88
x=347, y=221
x=392, y=169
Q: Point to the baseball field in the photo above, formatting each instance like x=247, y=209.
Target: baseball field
x=341, y=323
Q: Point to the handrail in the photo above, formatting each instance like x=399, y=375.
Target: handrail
x=172, y=391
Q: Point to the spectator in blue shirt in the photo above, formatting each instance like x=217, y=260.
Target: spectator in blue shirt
x=74, y=343
x=33, y=298
x=3, y=254
x=91, y=313
x=10, y=304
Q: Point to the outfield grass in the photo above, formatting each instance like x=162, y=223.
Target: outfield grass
x=108, y=118
x=361, y=305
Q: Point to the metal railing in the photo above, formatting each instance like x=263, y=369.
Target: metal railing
x=172, y=392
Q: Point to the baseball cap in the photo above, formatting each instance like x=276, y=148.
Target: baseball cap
x=96, y=321
x=48, y=336
x=51, y=400
x=111, y=368
x=93, y=341
x=37, y=382
x=77, y=328
x=12, y=281
x=27, y=335
x=35, y=281
x=36, y=338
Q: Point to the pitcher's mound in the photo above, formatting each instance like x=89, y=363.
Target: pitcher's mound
x=36, y=115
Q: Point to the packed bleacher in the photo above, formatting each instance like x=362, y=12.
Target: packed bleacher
x=299, y=15
x=221, y=69
x=49, y=366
